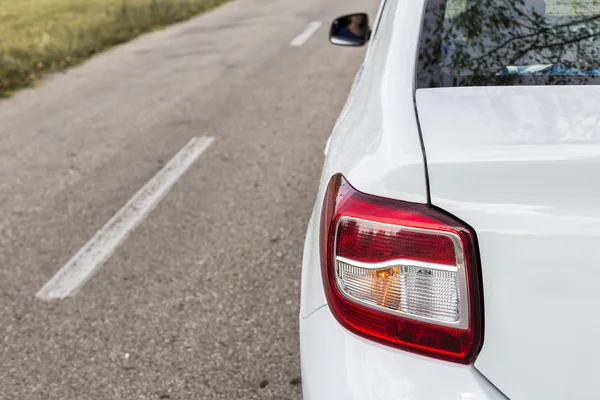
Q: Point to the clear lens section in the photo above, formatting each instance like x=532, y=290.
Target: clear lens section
x=406, y=289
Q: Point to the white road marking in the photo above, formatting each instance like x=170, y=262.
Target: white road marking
x=82, y=266
x=306, y=34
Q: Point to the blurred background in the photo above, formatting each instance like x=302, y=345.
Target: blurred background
x=154, y=195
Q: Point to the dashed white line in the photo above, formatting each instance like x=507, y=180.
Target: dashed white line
x=310, y=30
x=82, y=266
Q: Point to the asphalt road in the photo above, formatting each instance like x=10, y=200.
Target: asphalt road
x=201, y=300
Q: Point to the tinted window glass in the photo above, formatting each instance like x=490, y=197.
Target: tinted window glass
x=509, y=42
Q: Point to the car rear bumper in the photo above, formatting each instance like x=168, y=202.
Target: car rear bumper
x=338, y=365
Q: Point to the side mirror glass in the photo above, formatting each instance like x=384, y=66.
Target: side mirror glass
x=350, y=30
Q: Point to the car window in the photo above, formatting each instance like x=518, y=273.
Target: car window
x=455, y=8
x=500, y=42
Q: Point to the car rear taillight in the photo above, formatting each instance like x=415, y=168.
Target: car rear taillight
x=402, y=274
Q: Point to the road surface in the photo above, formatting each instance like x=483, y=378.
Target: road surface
x=199, y=294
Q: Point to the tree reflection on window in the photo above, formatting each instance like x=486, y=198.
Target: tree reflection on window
x=494, y=41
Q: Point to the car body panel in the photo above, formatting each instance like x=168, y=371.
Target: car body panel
x=338, y=365
x=520, y=165
x=375, y=143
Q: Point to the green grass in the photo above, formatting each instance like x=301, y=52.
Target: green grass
x=38, y=36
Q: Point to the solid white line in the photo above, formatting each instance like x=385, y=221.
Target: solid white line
x=306, y=34
x=82, y=266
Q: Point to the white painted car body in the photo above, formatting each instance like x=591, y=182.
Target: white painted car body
x=531, y=195
x=517, y=164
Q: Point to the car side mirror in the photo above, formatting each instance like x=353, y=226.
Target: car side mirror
x=350, y=30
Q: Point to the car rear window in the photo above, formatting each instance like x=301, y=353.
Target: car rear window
x=504, y=42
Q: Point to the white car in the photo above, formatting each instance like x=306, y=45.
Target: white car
x=454, y=247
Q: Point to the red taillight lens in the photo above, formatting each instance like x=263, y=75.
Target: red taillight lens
x=402, y=274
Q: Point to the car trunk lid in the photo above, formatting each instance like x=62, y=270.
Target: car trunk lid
x=520, y=165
